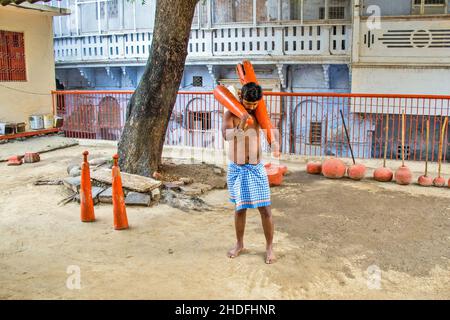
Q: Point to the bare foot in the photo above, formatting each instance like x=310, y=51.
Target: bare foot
x=233, y=253
x=270, y=257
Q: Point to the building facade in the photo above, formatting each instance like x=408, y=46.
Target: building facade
x=27, y=68
x=320, y=46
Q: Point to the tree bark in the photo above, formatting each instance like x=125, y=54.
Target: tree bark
x=150, y=107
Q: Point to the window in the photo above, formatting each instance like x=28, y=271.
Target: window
x=200, y=120
x=12, y=56
x=429, y=6
x=315, y=133
x=226, y=11
x=295, y=10
x=113, y=9
x=197, y=81
x=266, y=10
x=333, y=13
x=406, y=150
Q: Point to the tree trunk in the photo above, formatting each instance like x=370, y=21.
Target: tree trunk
x=150, y=107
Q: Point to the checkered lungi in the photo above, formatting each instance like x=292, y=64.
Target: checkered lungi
x=248, y=185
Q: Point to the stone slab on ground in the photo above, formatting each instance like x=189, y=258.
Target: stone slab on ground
x=73, y=183
x=106, y=196
x=35, y=144
x=95, y=193
x=191, y=191
x=156, y=194
x=75, y=172
x=202, y=186
x=172, y=186
x=129, y=181
x=138, y=199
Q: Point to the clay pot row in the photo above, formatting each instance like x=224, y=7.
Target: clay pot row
x=336, y=169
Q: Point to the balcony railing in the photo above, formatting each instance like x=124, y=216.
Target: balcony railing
x=308, y=123
x=280, y=41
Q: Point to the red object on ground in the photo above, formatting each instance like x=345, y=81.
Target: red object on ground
x=28, y=134
x=283, y=169
x=383, y=174
x=14, y=161
x=247, y=74
x=86, y=201
x=119, y=210
x=333, y=168
x=229, y=101
x=274, y=173
x=425, y=181
x=356, y=171
x=314, y=167
x=439, y=182
x=403, y=175
x=31, y=157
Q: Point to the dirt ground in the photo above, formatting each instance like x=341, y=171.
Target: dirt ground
x=330, y=236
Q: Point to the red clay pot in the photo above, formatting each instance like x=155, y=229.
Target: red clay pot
x=275, y=175
x=356, y=171
x=425, y=181
x=283, y=169
x=403, y=175
x=333, y=168
x=383, y=174
x=439, y=182
x=314, y=167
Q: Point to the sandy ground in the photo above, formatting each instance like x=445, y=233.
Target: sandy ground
x=332, y=240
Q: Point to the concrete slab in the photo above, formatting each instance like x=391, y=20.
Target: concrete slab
x=106, y=196
x=138, y=199
x=73, y=183
x=129, y=181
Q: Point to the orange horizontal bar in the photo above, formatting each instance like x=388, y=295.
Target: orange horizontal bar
x=271, y=93
x=28, y=134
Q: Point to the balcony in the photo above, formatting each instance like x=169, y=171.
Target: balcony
x=319, y=43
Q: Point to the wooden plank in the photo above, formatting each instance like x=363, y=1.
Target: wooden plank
x=129, y=181
x=28, y=134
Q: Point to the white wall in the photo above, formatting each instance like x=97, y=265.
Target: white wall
x=401, y=80
x=19, y=100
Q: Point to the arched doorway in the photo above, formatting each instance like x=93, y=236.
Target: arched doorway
x=309, y=125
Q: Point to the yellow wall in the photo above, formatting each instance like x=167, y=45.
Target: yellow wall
x=16, y=106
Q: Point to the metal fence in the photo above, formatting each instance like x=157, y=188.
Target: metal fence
x=308, y=123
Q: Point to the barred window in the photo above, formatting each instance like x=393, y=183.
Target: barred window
x=333, y=13
x=315, y=133
x=197, y=81
x=429, y=7
x=199, y=120
x=12, y=56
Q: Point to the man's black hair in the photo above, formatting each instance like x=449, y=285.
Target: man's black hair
x=251, y=92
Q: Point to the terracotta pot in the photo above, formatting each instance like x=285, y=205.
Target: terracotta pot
x=333, y=168
x=425, y=181
x=403, y=175
x=383, y=174
x=356, y=171
x=439, y=182
x=314, y=167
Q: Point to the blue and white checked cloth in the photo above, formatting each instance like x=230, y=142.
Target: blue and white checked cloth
x=248, y=185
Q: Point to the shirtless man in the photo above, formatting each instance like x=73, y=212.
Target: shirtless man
x=247, y=180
